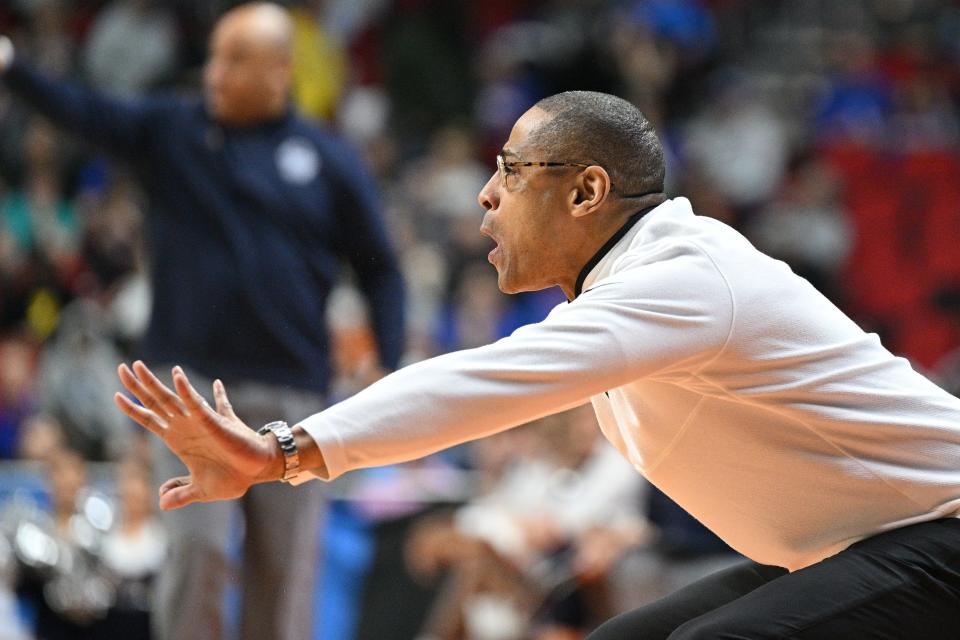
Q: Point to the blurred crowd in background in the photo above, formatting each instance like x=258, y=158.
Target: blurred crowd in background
x=826, y=132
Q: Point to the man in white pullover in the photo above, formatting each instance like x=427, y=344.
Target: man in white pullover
x=728, y=381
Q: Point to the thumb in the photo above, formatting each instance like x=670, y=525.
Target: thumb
x=178, y=492
x=224, y=407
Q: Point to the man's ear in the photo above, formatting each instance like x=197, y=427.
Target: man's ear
x=590, y=191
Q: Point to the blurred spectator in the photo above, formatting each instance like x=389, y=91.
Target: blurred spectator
x=49, y=41
x=477, y=312
x=425, y=270
x=86, y=568
x=112, y=245
x=515, y=552
x=114, y=261
x=923, y=116
x=450, y=176
x=806, y=227
x=739, y=145
x=687, y=23
x=11, y=625
x=18, y=393
x=77, y=382
x=674, y=551
x=362, y=116
x=132, y=44
x=38, y=217
x=857, y=101
x=347, y=18
x=42, y=233
x=60, y=571
x=133, y=551
x=647, y=65
x=41, y=437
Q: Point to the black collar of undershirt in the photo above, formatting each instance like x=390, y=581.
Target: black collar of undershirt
x=608, y=245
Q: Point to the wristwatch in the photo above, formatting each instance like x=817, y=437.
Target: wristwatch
x=291, y=457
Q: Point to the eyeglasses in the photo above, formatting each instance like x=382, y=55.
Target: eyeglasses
x=508, y=173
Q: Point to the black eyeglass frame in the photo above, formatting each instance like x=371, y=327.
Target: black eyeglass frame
x=502, y=165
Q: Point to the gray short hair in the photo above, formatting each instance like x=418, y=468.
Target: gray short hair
x=599, y=128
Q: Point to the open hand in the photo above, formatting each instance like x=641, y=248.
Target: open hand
x=223, y=455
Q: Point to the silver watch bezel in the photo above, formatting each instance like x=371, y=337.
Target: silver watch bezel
x=291, y=456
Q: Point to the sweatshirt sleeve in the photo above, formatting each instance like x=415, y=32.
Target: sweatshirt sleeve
x=119, y=125
x=365, y=243
x=639, y=322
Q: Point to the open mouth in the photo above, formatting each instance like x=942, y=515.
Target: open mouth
x=496, y=248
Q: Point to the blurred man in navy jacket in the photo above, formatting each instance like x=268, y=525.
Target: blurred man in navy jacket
x=252, y=211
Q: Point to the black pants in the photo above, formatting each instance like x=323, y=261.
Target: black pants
x=899, y=585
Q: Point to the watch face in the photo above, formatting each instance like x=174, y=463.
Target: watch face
x=284, y=434
x=279, y=428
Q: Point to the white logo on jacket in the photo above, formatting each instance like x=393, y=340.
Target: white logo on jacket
x=297, y=160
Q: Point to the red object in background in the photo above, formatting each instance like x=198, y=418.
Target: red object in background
x=905, y=212
x=81, y=19
x=925, y=336
x=366, y=54
x=7, y=20
x=486, y=17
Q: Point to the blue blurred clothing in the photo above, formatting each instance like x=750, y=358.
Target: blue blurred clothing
x=689, y=24
x=681, y=535
x=247, y=232
x=12, y=417
x=854, y=106
x=18, y=217
x=521, y=309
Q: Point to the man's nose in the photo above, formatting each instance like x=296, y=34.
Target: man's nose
x=489, y=196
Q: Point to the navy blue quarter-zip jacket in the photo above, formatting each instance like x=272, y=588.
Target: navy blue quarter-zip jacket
x=247, y=230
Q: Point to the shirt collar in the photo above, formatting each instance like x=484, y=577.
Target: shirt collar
x=272, y=122
x=607, y=246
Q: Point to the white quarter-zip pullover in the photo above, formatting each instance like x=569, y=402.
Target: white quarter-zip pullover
x=728, y=381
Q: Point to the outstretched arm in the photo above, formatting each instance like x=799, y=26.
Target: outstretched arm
x=668, y=317
x=120, y=126
x=223, y=455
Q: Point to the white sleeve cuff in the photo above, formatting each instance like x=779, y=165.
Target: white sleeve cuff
x=330, y=448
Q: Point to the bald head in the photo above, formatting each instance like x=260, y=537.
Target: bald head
x=264, y=24
x=247, y=77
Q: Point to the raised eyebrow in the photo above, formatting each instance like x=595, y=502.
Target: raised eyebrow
x=507, y=152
